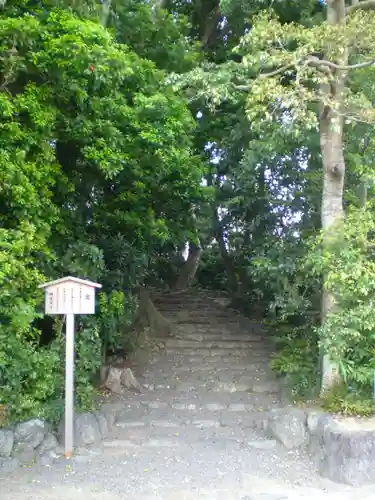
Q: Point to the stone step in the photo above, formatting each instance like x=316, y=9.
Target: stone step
x=199, y=373
x=196, y=360
x=204, y=320
x=181, y=299
x=217, y=331
x=192, y=307
x=212, y=314
x=214, y=337
x=222, y=327
x=261, y=385
x=183, y=405
x=207, y=344
x=170, y=400
x=191, y=304
x=205, y=352
x=180, y=417
x=212, y=309
x=243, y=384
x=200, y=432
x=199, y=332
x=241, y=368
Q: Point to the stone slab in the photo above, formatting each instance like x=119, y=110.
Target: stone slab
x=344, y=449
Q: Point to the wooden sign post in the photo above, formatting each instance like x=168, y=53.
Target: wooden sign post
x=69, y=296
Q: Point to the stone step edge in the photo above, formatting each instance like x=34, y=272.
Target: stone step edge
x=176, y=442
x=252, y=422
x=320, y=434
x=255, y=389
x=182, y=343
x=197, y=407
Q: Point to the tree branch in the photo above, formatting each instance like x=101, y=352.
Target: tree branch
x=318, y=63
x=364, y=5
x=280, y=70
x=242, y=88
x=315, y=61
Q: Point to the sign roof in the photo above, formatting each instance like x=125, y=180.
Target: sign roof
x=71, y=278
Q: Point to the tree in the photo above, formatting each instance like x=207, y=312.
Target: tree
x=239, y=157
x=98, y=170
x=302, y=69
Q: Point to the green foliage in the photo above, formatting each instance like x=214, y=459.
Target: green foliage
x=88, y=356
x=28, y=376
x=31, y=376
x=294, y=310
x=101, y=161
x=97, y=172
x=340, y=400
x=291, y=74
x=159, y=37
x=211, y=274
x=297, y=359
x=348, y=264
x=116, y=312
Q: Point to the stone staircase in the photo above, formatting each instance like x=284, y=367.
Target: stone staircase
x=214, y=351
x=198, y=428
x=207, y=393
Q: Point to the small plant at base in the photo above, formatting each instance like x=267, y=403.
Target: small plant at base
x=341, y=400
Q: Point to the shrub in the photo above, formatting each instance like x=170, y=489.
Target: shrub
x=348, y=332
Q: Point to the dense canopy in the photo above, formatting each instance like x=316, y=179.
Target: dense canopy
x=133, y=130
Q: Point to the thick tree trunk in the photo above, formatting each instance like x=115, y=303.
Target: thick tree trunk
x=332, y=211
x=210, y=25
x=147, y=314
x=189, y=269
x=331, y=143
x=159, y=325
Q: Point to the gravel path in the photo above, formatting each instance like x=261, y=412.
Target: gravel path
x=192, y=433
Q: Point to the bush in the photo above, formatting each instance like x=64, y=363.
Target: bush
x=297, y=360
x=26, y=372
x=28, y=377
x=348, y=332
x=116, y=312
x=32, y=376
x=342, y=399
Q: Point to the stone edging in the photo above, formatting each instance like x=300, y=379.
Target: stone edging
x=34, y=441
x=343, y=450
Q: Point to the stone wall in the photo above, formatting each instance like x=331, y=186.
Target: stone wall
x=343, y=449
x=35, y=441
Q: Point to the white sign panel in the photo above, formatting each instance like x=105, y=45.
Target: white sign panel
x=70, y=296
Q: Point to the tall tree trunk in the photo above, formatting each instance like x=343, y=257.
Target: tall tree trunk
x=210, y=25
x=189, y=269
x=331, y=144
x=106, y=9
x=362, y=195
x=227, y=261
